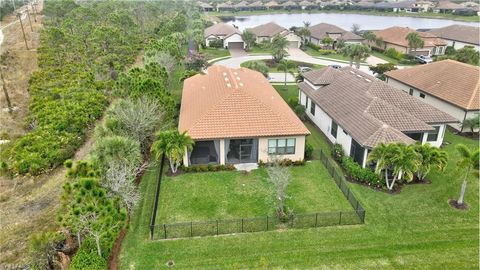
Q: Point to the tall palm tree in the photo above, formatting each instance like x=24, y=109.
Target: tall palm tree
x=469, y=163
x=174, y=145
x=414, y=41
x=429, y=157
x=379, y=155
x=356, y=53
x=370, y=37
x=285, y=66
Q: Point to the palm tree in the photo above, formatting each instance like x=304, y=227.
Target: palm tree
x=304, y=32
x=306, y=24
x=327, y=41
x=249, y=38
x=472, y=123
x=370, y=37
x=469, y=162
x=404, y=162
x=379, y=42
x=285, y=66
x=414, y=41
x=379, y=155
x=429, y=157
x=174, y=145
x=356, y=53
x=279, y=46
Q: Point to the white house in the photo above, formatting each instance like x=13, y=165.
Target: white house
x=447, y=85
x=459, y=36
x=359, y=111
x=323, y=30
x=266, y=33
x=231, y=36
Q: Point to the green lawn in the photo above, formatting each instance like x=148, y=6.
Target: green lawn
x=212, y=53
x=316, y=53
x=259, y=50
x=415, y=229
x=233, y=195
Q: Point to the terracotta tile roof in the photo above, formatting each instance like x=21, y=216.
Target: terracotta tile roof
x=454, y=82
x=457, y=32
x=370, y=110
x=322, y=30
x=267, y=30
x=221, y=29
x=398, y=35
x=235, y=103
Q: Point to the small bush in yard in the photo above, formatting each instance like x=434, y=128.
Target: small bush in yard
x=308, y=151
x=337, y=152
x=217, y=43
x=326, y=52
x=293, y=102
x=357, y=173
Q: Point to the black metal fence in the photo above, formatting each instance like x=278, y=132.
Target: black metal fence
x=260, y=224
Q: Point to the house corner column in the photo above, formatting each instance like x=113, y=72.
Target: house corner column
x=222, y=152
x=365, y=156
x=185, y=158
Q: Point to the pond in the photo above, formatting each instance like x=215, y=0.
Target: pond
x=345, y=21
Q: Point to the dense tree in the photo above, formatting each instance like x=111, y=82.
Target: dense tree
x=356, y=53
x=279, y=48
x=196, y=61
x=327, y=41
x=469, y=163
x=429, y=157
x=380, y=69
x=174, y=145
x=249, y=38
x=415, y=41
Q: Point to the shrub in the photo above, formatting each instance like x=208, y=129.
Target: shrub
x=327, y=52
x=308, y=151
x=87, y=257
x=208, y=168
x=293, y=102
x=217, y=43
x=357, y=173
x=300, y=111
x=407, y=62
x=337, y=152
x=392, y=53
x=68, y=163
x=450, y=50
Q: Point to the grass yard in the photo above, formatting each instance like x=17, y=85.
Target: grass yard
x=414, y=229
x=233, y=195
x=337, y=56
x=259, y=50
x=212, y=53
x=291, y=70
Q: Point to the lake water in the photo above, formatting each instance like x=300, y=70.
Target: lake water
x=345, y=21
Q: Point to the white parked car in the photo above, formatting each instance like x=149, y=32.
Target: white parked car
x=423, y=59
x=303, y=69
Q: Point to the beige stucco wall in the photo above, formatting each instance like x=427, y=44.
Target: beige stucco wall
x=299, y=148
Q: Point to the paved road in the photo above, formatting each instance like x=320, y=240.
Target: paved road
x=294, y=55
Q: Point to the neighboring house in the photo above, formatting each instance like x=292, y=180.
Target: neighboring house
x=243, y=5
x=290, y=5
x=358, y=111
x=322, y=30
x=236, y=116
x=231, y=36
x=448, y=85
x=306, y=5
x=225, y=6
x=205, y=7
x=266, y=32
x=447, y=7
x=273, y=5
x=459, y=36
x=258, y=5
x=396, y=37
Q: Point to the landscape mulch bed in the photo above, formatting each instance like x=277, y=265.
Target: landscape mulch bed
x=454, y=203
x=396, y=189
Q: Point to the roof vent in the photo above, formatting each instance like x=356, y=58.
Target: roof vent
x=229, y=85
x=368, y=80
x=227, y=79
x=224, y=74
x=238, y=78
x=241, y=84
x=360, y=76
x=236, y=73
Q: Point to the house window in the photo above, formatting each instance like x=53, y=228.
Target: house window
x=312, y=107
x=440, y=50
x=281, y=146
x=433, y=135
x=422, y=95
x=334, y=128
x=410, y=92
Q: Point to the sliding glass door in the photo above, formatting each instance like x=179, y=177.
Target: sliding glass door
x=241, y=151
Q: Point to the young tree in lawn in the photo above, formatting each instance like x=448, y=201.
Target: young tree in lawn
x=279, y=46
x=356, y=53
x=472, y=123
x=327, y=41
x=280, y=177
x=429, y=157
x=249, y=38
x=469, y=164
x=380, y=69
x=414, y=41
x=174, y=145
x=285, y=66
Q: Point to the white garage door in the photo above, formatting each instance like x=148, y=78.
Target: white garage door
x=235, y=45
x=293, y=44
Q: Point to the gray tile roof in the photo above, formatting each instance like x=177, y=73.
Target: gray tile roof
x=370, y=110
x=457, y=32
x=322, y=30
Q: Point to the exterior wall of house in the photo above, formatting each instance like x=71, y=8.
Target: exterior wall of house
x=438, y=142
x=324, y=123
x=458, y=44
x=211, y=38
x=299, y=148
x=446, y=107
x=233, y=38
x=263, y=39
x=292, y=37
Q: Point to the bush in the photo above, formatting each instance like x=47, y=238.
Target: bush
x=293, y=102
x=308, y=151
x=300, y=111
x=357, y=173
x=337, y=152
x=392, y=53
x=283, y=162
x=208, y=168
x=407, y=62
x=217, y=43
x=450, y=50
x=327, y=52
x=87, y=257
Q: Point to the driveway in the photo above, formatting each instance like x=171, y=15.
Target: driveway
x=237, y=52
x=275, y=77
x=294, y=54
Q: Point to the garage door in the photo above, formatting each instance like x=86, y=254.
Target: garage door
x=293, y=44
x=235, y=45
